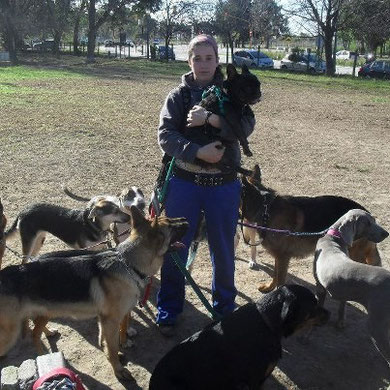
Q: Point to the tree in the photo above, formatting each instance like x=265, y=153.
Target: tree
x=108, y=8
x=12, y=21
x=321, y=17
x=367, y=21
x=232, y=21
x=267, y=20
x=174, y=14
x=58, y=13
x=77, y=14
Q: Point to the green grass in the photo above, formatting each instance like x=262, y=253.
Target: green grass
x=323, y=81
x=14, y=79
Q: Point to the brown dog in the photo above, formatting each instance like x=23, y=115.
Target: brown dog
x=86, y=284
x=263, y=206
x=3, y=222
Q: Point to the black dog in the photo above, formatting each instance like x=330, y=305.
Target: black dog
x=242, y=90
x=241, y=350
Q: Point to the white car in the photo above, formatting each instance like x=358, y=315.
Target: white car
x=303, y=63
x=343, y=55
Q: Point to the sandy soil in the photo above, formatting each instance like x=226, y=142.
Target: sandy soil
x=99, y=136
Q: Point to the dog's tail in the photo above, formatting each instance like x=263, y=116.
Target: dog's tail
x=74, y=196
x=12, y=230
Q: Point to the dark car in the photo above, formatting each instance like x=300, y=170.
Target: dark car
x=378, y=69
x=162, y=53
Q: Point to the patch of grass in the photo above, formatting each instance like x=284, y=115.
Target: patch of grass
x=23, y=72
x=322, y=81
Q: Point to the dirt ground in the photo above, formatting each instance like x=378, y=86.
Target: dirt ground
x=99, y=136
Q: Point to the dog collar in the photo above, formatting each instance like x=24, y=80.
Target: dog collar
x=334, y=233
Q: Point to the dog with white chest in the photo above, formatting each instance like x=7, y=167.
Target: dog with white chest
x=130, y=196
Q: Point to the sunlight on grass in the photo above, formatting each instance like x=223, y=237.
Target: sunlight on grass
x=23, y=72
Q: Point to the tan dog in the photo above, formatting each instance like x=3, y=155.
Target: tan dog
x=84, y=284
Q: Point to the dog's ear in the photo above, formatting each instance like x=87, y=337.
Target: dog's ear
x=231, y=71
x=244, y=69
x=288, y=312
x=137, y=217
x=93, y=213
x=347, y=229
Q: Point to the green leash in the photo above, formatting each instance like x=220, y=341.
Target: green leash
x=176, y=257
x=187, y=275
x=221, y=97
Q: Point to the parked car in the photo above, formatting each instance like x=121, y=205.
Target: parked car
x=345, y=55
x=303, y=63
x=47, y=44
x=379, y=69
x=129, y=42
x=162, y=53
x=252, y=59
x=108, y=43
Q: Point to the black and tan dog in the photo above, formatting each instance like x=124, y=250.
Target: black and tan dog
x=77, y=228
x=241, y=350
x=130, y=196
x=3, y=223
x=263, y=206
x=85, y=284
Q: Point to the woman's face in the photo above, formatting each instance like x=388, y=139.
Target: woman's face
x=203, y=64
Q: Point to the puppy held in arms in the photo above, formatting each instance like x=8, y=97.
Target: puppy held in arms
x=233, y=102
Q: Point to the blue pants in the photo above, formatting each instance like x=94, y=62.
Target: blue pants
x=220, y=205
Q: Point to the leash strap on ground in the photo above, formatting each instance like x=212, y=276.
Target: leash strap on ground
x=191, y=281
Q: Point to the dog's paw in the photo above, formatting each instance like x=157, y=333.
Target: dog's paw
x=253, y=265
x=50, y=332
x=131, y=332
x=125, y=374
x=266, y=287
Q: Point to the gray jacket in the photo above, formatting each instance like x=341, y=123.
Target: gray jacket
x=172, y=119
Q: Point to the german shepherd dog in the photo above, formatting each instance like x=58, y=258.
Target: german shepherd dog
x=263, y=206
x=241, y=350
x=77, y=228
x=3, y=223
x=242, y=90
x=84, y=284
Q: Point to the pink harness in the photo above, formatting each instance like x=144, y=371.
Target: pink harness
x=334, y=233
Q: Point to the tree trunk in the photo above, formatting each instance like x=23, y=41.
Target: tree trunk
x=91, y=31
x=328, y=45
x=77, y=28
x=11, y=35
x=57, y=39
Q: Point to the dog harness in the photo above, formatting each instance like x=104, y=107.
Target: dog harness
x=335, y=233
x=222, y=98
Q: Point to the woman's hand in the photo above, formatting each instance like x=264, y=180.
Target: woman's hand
x=211, y=153
x=196, y=116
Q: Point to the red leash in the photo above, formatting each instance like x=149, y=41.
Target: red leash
x=148, y=287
